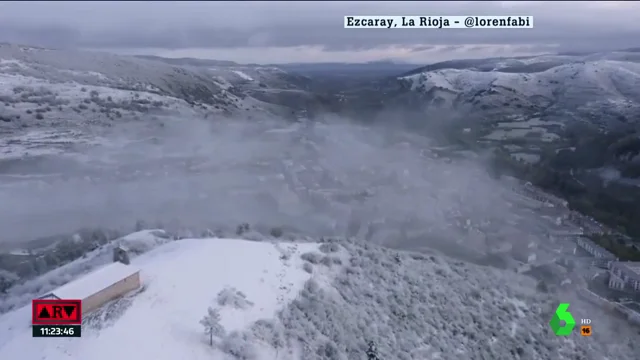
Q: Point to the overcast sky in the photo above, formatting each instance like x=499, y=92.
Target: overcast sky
x=276, y=32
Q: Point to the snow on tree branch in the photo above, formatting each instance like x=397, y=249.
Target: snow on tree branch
x=212, y=326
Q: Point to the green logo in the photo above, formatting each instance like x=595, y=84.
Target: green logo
x=562, y=315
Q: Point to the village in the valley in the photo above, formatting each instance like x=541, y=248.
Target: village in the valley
x=612, y=282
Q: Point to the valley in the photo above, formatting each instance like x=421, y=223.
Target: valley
x=456, y=173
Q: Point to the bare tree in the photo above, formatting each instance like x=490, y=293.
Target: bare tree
x=211, y=323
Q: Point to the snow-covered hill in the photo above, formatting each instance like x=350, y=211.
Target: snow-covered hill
x=606, y=92
x=44, y=87
x=529, y=64
x=316, y=301
x=246, y=281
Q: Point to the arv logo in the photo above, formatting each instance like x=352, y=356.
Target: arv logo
x=560, y=315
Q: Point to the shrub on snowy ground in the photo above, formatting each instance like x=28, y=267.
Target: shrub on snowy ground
x=276, y=232
x=328, y=351
x=246, y=232
x=239, y=345
x=329, y=247
x=211, y=323
x=242, y=228
x=253, y=236
x=270, y=332
x=330, y=261
x=312, y=257
x=142, y=241
x=234, y=298
x=308, y=268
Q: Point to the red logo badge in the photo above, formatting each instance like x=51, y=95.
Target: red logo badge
x=56, y=312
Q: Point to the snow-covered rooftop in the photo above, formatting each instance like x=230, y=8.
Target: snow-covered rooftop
x=93, y=282
x=630, y=268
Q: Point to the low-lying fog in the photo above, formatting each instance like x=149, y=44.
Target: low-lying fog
x=326, y=178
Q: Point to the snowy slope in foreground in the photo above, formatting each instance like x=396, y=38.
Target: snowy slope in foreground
x=324, y=302
x=182, y=279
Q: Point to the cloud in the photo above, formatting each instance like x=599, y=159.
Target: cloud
x=301, y=54
x=574, y=26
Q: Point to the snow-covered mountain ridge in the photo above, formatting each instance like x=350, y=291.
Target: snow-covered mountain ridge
x=529, y=64
x=586, y=88
x=320, y=301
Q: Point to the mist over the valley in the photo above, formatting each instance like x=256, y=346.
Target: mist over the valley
x=321, y=178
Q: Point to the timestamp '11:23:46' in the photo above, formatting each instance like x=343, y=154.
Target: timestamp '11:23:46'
x=56, y=331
